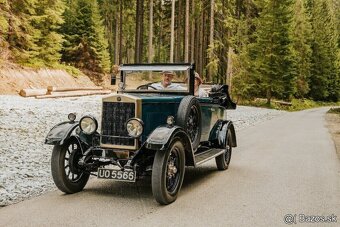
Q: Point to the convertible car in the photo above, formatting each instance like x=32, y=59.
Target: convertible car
x=144, y=131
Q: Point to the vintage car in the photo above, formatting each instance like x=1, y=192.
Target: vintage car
x=144, y=131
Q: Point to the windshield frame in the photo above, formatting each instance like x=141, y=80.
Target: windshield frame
x=155, y=67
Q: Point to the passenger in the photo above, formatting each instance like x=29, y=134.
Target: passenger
x=166, y=82
x=200, y=92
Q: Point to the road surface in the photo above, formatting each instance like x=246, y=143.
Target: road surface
x=285, y=166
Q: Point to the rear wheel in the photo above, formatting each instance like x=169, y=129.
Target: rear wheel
x=168, y=173
x=65, y=170
x=223, y=160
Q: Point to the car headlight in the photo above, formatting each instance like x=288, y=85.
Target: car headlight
x=134, y=127
x=88, y=124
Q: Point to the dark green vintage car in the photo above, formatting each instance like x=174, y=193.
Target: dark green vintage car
x=145, y=131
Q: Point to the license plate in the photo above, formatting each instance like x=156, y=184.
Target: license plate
x=119, y=175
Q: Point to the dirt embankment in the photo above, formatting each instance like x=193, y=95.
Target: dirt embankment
x=14, y=78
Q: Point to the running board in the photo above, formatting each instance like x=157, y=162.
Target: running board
x=207, y=155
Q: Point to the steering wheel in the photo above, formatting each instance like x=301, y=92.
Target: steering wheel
x=146, y=87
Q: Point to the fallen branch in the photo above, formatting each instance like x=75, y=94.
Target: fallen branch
x=275, y=101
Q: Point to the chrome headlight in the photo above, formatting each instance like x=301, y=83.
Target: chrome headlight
x=88, y=124
x=134, y=127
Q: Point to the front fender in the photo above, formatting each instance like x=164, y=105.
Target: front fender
x=60, y=132
x=161, y=137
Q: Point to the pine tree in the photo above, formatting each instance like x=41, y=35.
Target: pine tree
x=272, y=52
x=325, y=75
x=48, y=21
x=3, y=29
x=302, y=32
x=85, y=45
x=22, y=35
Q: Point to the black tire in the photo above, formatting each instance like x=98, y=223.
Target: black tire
x=223, y=160
x=166, y=183
x=64, y=165
x=190, y=119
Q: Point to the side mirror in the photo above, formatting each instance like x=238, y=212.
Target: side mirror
x=113, y=80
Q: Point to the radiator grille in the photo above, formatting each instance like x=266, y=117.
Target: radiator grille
x=114, y=118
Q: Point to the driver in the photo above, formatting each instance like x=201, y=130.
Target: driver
x=166, y=82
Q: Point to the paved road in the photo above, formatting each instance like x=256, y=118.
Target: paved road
x=287, y=165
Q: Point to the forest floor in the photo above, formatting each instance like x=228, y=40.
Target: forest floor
x=333, y=124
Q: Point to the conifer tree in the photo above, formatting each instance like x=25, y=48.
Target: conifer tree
x=48, y=21
x=85, y=45
x=21, y=35
x=272, y=52
x=3, y=28
x=325, y=75
x=302, y=32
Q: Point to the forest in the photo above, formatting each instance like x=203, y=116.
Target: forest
x=280, y=49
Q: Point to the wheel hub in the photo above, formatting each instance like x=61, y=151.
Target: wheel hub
x=172, y=170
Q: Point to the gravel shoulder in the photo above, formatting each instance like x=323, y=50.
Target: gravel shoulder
x=24, y=123
x=333, y=124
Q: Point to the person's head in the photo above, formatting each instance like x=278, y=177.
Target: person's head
x=198, y=80
x=167, y=78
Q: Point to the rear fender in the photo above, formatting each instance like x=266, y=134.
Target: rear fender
x=161, y=138
x=218, y=134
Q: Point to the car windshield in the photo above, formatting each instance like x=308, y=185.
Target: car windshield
x=159, y=78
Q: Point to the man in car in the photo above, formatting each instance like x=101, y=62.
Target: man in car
x=166, y=83
x=200, y=92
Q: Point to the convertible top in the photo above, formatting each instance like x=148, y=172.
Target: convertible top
x=156, y=67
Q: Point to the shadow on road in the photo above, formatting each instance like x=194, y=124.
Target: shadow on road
x=142, y=188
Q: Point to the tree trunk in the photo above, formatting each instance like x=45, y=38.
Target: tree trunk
x=201, y=54
x=120, y=31
x=172, y=41
x=269, y=96
x=117, y=40
x=150, y=52
x=230, y=69
x=211, y=37
x=187, y=32
x=192, y=43
x=139, y=30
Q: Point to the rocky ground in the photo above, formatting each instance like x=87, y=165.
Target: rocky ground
x=24, y=123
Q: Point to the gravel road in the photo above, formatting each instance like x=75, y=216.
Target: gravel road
x=24, y=123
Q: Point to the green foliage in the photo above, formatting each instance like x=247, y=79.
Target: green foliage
x=271, y=54
x=301, y=39
x=325, y=81
x=48, y=21
x=85, y=45
x=295, y=104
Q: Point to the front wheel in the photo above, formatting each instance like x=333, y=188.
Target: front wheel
x=65, y=170
x=168, y=173
x=223, y=160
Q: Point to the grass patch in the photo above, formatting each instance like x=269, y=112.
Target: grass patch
x=68, y=68
x=296, y=104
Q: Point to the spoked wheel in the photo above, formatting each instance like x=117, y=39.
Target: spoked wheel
x=193, y=123
x=223, y=160
x=168, y=173
x=189, y=118
x=65, y=170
